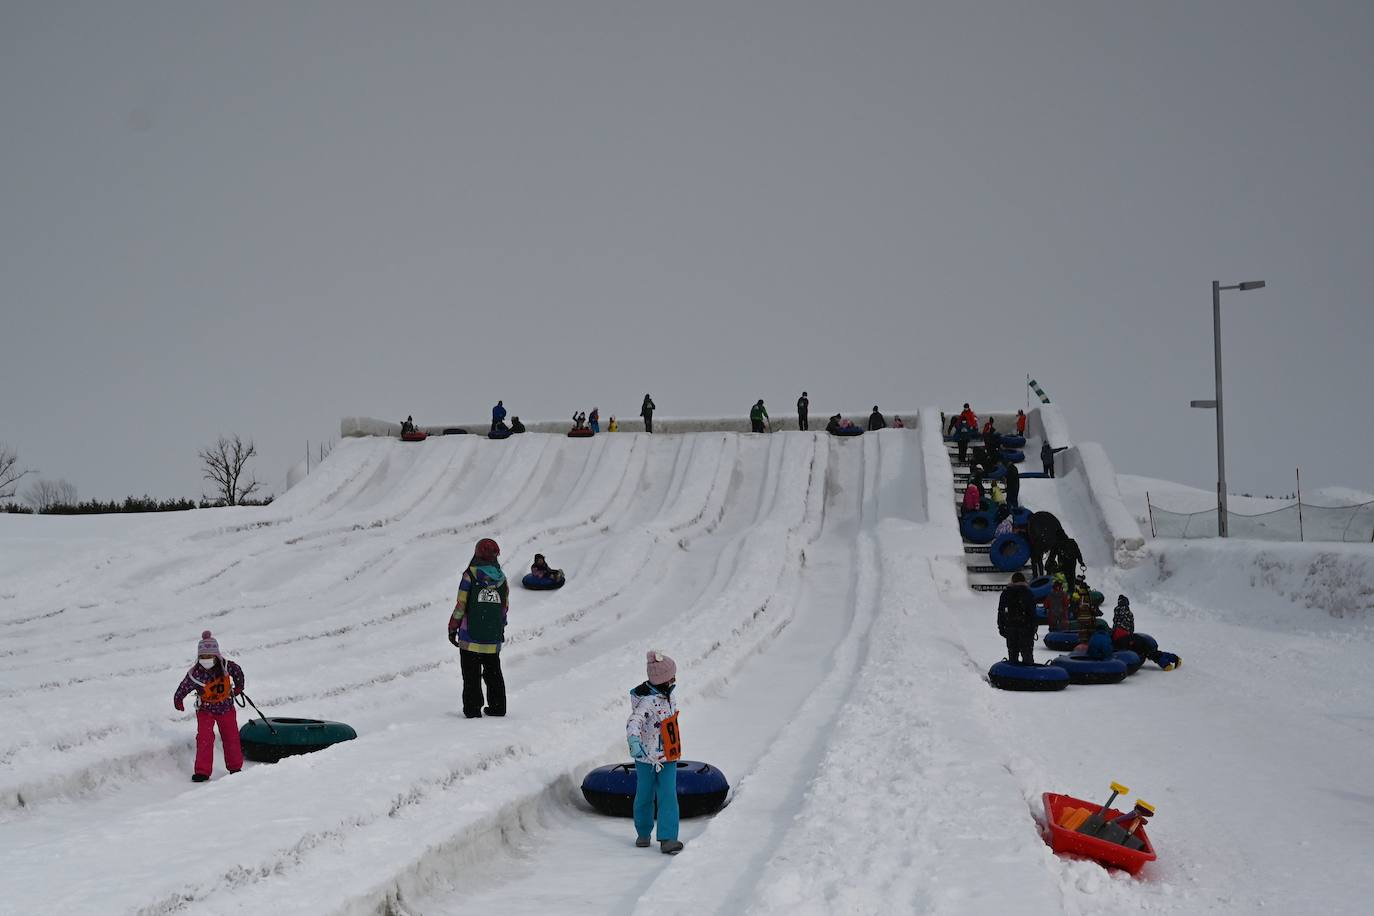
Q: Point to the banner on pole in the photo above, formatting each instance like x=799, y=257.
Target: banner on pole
x=1039, y=392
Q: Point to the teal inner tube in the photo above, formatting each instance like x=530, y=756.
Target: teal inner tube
x=288, y=737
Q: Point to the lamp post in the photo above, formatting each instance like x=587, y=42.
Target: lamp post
x=1222, y=528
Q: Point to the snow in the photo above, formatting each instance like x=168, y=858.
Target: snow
x=831, y=662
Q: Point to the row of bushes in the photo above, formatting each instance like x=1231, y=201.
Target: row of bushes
x=143, y=503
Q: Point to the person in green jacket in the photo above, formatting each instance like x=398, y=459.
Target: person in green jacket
x=758, y=416
x=478, y=628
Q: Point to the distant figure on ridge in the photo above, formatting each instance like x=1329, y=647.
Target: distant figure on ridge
x=646, y=410
x=516, y=426
x=803, y=407
x=498, y=415
x=758, y=416
x=876, y=420
x=1021, y=423
x=595, y=419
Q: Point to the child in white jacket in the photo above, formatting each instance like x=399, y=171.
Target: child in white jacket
x=655, y=746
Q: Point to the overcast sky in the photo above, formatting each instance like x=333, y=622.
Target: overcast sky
x=258, y=217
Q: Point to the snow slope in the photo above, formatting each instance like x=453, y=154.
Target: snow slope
x=830, y=658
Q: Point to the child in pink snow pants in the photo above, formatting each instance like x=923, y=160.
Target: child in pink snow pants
x=216, y=681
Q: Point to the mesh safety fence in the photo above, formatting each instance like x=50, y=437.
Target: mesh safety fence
x=1293, y=522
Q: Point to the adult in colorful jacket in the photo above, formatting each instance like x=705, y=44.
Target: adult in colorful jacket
x=478, y=628
x=652, y=713
x=216, y=681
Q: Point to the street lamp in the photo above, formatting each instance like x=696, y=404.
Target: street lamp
x=1222, y=527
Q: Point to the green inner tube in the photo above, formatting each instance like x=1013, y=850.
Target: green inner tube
x=288, y=737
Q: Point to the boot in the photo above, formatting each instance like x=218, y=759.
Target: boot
x=670, y=847
x=642, y=842
x=199, y=777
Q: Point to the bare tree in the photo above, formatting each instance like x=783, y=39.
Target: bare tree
x=10, y=471
x=224, y=463
x=42, y=495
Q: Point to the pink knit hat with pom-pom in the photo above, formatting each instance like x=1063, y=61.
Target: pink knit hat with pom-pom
x=661, y=669
x=208, y=645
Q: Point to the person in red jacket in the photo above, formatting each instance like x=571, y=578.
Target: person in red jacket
x=1020, y=423
x=216, y=681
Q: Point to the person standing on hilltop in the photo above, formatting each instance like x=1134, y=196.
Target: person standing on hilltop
x=876, y=420
x=803, y=408
x=498, y=415
x=758, y=416
x=646, y=410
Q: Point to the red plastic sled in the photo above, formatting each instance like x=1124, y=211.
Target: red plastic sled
x=1071, y=842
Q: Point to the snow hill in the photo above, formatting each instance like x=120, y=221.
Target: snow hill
x=831, y=662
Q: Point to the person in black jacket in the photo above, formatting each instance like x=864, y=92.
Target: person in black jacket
x=833, y=427
x=1066, y=558
x=876, y=420
x=1013, y=482
x=803, y=406
x=1016, y=620
x=646, y=410
x=1047, y=458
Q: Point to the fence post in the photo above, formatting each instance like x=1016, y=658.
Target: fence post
x=1297, y=472
x=1150, y=510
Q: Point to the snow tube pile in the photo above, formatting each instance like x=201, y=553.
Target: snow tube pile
x=288, y=737
x=849, y=431
x=1013, y=441
x=1083, y=670
x=1041, y=586
x=1009, y=676
x=978, y=527
x=455, y=431
x=1061, y=640
x=701, y=789
x=1132, y=661
x=414, y=435
x=1009, y=552
x=542, y=584
x=583, y=433
x=1015, y=457
x=499, y=434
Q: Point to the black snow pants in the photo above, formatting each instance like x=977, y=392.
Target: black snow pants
x=1049, y=467
x=1019, y=647
x=649, y=422
x=479, y=668
x=801, y=421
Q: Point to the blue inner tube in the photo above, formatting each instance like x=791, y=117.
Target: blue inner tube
x=849, y=431
x=1061, y=640
x=1021, y=516
x=499, y=434
x=1092, y=671
x=288, y=737
x=542, y=584
x=978, y=527
x=1041, y=586
x=1009, y=552
x=997, y=473
x=701, y=789
x=1013, y=441
x=1014, y=456
x=1008, y=676
x=1133, y=661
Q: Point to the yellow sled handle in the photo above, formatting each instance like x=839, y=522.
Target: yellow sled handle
x=1142, y=803
x=1119, y=789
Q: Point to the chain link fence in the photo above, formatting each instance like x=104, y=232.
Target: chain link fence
x=1297, y=521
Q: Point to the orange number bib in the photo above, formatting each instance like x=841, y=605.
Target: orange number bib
x=218, y=690
x=672, y=738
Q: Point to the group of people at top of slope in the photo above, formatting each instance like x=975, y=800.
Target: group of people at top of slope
x=963, y=426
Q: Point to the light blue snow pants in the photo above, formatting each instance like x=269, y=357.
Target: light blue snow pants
x=663, y=786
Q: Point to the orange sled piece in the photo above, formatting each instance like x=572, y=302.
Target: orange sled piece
x=1060, y=809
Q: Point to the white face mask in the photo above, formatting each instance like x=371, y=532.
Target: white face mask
x=207, y=663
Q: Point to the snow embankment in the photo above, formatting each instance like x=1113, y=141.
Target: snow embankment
x=1047, y=422
x=1113, y=520
x=350, y=427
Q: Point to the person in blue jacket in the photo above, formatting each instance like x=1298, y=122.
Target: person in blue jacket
x=498, y=415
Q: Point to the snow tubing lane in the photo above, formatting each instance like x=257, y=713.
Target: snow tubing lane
x=1009, y=552
x=1092, y=671
x=1040, y=587
x=1061, y=640
x=540, y=584
x=1133, y=661
x=978, y=527
x=580, y=433
x=1008, y=676
x=1013, y=441
x=849, y=431
x=293, y=736
x=701, y=789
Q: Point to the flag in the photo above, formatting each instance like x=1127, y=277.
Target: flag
x=1039, y=392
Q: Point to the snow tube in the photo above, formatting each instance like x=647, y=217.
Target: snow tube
x=701, y=789
x=583, y=433
x=414, y=435
x=1008, y=676
x=1040, y=586
x=288, y=737
x=1020, y=516
x=542, y=584
x=1061, y=640
x=455, y=431
x=1015, y=457
x=1133, y=661
x=997, y=473
x=1013, y=441
x=1009, y=552
x=978, y=527
x=499, y=434
x=849, y=431
x=1083, y=670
